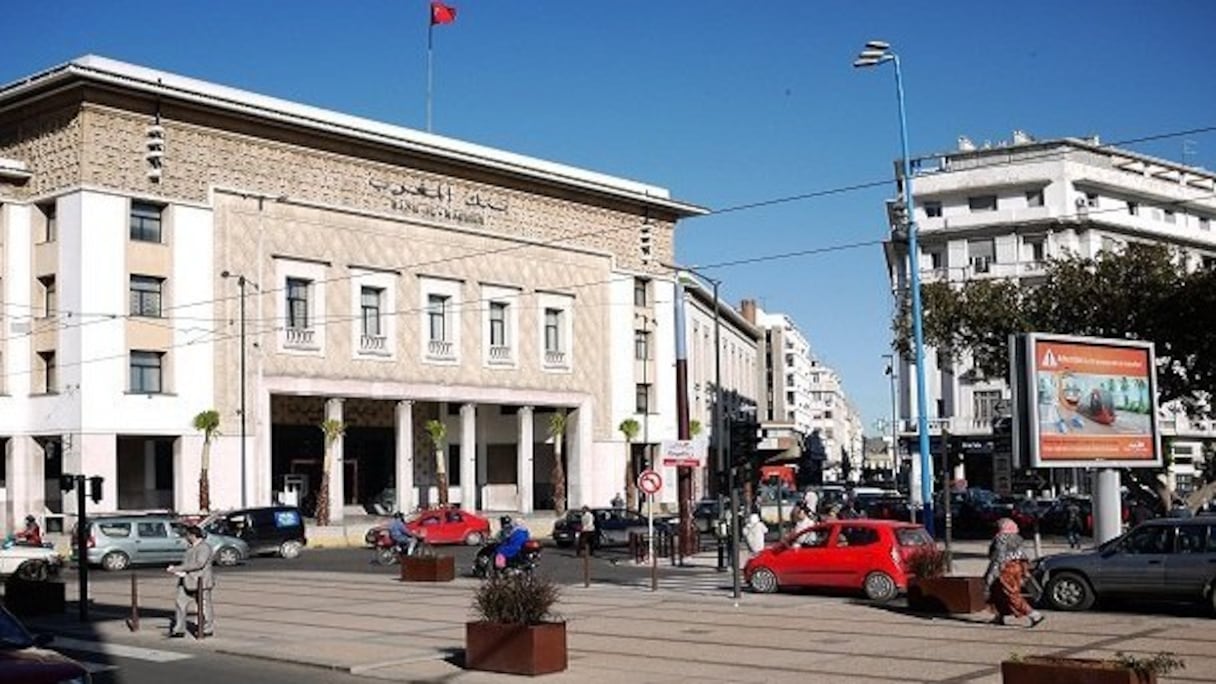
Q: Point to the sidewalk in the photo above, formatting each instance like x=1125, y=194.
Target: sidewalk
x=374, y=626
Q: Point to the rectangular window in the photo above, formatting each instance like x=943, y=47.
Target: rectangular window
x=146, y=296
x=984, y=405
x=370, y=297
x=498, y=324
x=641, y=345
x=297, y=303
x=640, y=288
x=146, y=222
x=1205, y=223
x=146, y=371
x=982, y=203
x=1133, y=208
x=437, y=314
x=50, y=222
x=50, y=300
x=1170, y=216
x=933, y=209
x=937, y=259
x=553, y=324
x=981, y=254
x=50, y=382
x=642, y=399
x=1034, y=198
x=1036, y=248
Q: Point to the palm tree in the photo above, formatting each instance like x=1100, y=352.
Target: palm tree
x=438, y=432
x=557, y=430
x=208, y=423
x=333, y=429
x=629, y=427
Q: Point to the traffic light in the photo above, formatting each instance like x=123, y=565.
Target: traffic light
x=95, y=488
x=67, y=483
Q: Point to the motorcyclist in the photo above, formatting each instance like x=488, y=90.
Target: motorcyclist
x=31, y=535
x=400, y=534
x=511, y=539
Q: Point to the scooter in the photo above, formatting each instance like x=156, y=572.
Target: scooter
x=524, y=562
x=387, y=551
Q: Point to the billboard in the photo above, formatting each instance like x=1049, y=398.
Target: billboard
x=1086, y=402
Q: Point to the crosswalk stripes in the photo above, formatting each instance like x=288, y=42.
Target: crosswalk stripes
x=698, y=584
x=152, y=655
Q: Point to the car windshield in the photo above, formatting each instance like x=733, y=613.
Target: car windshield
x=12, y=634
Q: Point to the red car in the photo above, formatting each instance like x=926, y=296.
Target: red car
x=866, y=555
x=441, y=526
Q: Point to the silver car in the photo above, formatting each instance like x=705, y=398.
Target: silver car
x=1168, y=559
x=118, y=542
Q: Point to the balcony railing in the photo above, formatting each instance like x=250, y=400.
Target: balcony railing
x=500, y=354
x=555, y=358
x=300, y=338
x=442, y=350
x=373, y=344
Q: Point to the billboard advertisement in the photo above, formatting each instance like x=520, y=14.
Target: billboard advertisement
x=1092, y=402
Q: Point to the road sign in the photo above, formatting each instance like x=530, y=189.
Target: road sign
x=683, y=453
x=650, y=482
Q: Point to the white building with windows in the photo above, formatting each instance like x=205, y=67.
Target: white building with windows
x=385, y=278
x=1001, y=211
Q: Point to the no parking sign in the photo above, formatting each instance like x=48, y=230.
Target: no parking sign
x=650, y=482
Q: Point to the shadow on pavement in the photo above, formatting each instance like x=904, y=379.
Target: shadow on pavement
x=968, y=619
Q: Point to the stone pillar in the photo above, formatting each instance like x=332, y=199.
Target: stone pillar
x=406, y=496
x=19, y=482
x=578, y=461
x=261, y=474
x=468, y=457
x=523, y=460
x=483, y=459
x=99, y=456
x=337, y=471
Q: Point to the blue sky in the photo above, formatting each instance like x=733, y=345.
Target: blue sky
x=725, y=103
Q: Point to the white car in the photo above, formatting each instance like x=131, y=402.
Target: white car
x=37, y=563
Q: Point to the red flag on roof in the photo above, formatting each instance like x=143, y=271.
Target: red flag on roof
x=441, y=13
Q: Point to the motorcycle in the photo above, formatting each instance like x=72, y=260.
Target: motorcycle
x=387, y=551
x=524, y=562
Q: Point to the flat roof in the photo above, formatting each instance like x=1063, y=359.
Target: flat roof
x=165, y=84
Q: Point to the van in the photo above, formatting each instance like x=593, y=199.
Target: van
x=277, y=530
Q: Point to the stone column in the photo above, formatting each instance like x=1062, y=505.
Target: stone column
x=337, y=470
x=19, y=481
x=523, y=460
x=468, y=457
x=99, y=456
x=578, y=462
x=406, y=496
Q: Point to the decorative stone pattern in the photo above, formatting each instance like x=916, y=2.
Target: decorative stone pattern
x=51, y=145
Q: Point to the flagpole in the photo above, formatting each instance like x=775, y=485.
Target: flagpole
x=430, y=33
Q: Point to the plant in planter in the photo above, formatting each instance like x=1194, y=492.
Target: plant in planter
x=1122, y=669
x=424, y=565
x=517, y=631
x=930, y=590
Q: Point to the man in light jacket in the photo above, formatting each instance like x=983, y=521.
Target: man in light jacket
x=194, y=567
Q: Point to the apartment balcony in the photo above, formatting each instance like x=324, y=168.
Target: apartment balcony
x=981, y=269
x=301, y=338
x=501, y=355
x=440, y=350
x=1182, y=426
x=375, y=345
x=555, y=359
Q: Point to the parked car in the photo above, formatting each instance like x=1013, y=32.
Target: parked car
x=24, y=658
x=36, y=563
x=857, y=555
x=612, y=525
x=440, y=526
x=268, y=530
x=118, y=542
x=1166, y=559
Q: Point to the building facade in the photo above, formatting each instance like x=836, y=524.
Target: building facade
x=160, y=234
x=1001, y=212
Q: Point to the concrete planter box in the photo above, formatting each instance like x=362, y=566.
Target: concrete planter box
x=947, y=595
x=515, y=649
x=1053, y=670
x=25, y=598
x=433, y=569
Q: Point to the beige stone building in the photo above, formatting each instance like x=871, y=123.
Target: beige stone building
x=387, y=278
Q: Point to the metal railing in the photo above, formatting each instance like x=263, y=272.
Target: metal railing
x=556, y=358
x=440, y=349
x=500, y=353
x=373, y=343
x=300, y=338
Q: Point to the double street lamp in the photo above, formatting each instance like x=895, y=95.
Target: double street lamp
x=875, y=53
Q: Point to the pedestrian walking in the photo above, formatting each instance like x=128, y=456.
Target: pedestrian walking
x=1008, y=569
x=586, y=535
x=753, y=536
x=195, y=566
x=1074, y=525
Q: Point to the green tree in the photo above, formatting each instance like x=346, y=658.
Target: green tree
x=695, y=428
x=208, y=423
x=557, y=430
x=630, y=428
x=333, y=430
x=438, y=432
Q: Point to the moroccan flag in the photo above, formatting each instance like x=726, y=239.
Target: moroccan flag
x=441, y=13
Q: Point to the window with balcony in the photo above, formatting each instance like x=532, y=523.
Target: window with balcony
x=500, y=324
x=641, y=288
x=146, y=372
x=1133, y=208
x=50, y=224
x=370, y=303
x=641, y=345
x=437, y=317
x=933, y=209
x=1034, y=198
x=146, y=294
x=982, y=203
x=984, y=406
x=981, y=254
x=49, y=377
x=642, y=398
x=146, y=221
x=50, y=300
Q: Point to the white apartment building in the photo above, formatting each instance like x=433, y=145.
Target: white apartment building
x=392, y=278
x=1001, y=211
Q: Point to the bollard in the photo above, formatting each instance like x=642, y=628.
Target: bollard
x=198, y=596
x=654, y=571
x=133, y=621
x=586, y=568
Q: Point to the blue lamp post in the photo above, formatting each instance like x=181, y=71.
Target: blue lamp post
x=877, y=52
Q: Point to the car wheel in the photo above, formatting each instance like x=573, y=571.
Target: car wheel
x=880, y=587
x=290, y=549
x=763, y=581
x=115, y=561
x=474, y=538
x=227, y=556
x=34, y=571
x=1069, y=591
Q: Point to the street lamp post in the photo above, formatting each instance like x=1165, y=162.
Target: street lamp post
x=241, y=281
x=878, y=52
